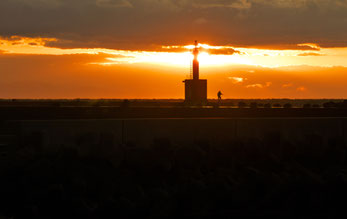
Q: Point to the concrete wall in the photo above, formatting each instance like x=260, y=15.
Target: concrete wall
x=182, y=131
x=52, y=135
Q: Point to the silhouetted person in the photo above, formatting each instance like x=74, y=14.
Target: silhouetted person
x=219, y=94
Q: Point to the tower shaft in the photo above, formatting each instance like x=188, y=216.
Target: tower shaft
x=196, y=62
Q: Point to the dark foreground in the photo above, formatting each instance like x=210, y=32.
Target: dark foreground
x=244, y=178
x=51, y=113
x=241, y=178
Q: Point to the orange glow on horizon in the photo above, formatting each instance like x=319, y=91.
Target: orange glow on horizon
x=32, y=69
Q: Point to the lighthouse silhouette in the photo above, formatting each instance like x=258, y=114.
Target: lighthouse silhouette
x=195, y=88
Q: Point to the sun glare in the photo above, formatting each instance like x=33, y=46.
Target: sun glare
x=209, y=56
x=207, y=59
x=184, y=59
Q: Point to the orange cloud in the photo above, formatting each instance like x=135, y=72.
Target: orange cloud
x=255, y=86
x=25, y=41
x=267, y=84
x=287, y=85
x=236, y=80
x=310, y=54
x=310, y=45
x=301, y=88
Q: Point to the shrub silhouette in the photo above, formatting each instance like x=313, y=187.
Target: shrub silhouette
x=342, y=104
x=307, y=105
x=287, y=105
x=125, y=103
x=329, y=105
x=267, y=105
x=242, y=104
x=253, y=105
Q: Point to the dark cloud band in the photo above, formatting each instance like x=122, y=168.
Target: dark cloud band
x=145, y=24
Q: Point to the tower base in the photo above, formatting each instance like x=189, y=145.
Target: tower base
x=196, y=91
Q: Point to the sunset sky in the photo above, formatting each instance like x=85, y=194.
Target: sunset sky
x=141, y=48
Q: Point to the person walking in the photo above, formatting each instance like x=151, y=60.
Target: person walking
x=219, y=94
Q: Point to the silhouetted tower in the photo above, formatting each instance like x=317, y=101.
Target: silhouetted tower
x=196, y=62
x=196, y=89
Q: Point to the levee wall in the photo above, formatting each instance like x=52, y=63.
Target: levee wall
x=54, y=134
